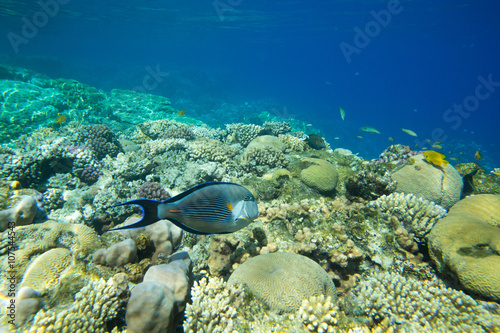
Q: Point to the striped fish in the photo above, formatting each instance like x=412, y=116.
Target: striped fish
x=207, y=208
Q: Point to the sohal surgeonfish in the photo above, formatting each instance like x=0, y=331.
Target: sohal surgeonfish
x=207, y=208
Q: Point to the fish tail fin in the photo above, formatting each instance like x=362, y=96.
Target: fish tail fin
x=149, y=213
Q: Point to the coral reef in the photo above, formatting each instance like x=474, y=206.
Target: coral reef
x=466, y=244
x=318, y=314
x=442, y=186
x=293, y=143
x=213, y=306
x=416, y=214
x=100, y=139
x=153, y=191
x=369, y=185
x=335, y=217
x=418, y=306
x=95, y=306
x=397, y=154
x=319, y=174
x=211, y=150
x=276, y=128
x=281, y=280
x=264, y=152
x=45, y=271
x=243, y=133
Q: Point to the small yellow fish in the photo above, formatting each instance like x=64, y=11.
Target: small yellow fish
x=61, y=119
x=336, y=138
x=437, y=146
x=181, y=112
x=478, y=155
x=435, y=158
x=409, y=132
x=454, y=158
x=428, y=140
x=360, y=137
x=342, y=112
x=391, y=139
x=309, y=125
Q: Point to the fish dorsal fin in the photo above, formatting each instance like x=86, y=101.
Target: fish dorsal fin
x=195, y=188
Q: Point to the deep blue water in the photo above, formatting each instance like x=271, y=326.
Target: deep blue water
x=424, y=57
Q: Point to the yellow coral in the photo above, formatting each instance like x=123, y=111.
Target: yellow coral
x=46, y=270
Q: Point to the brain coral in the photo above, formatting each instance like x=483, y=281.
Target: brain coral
x=466, y=244
x=440, y=185
x=319, y=174
x=45, y=271
x=282, y=280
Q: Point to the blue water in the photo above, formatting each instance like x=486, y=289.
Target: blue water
x=421, y=59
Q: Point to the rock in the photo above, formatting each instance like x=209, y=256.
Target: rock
x=23, y=213
x=157, y=304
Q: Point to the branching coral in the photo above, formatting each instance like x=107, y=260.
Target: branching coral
x=95, y=305
x=420, y=305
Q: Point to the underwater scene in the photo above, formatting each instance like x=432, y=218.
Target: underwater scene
x=249, y=166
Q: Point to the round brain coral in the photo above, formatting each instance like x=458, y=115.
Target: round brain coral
x=319, y=174
x=442, y=185
x=466, y=244
x=282, y=280
x=46, y=270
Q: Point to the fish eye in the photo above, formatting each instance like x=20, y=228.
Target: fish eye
x=248, y=198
